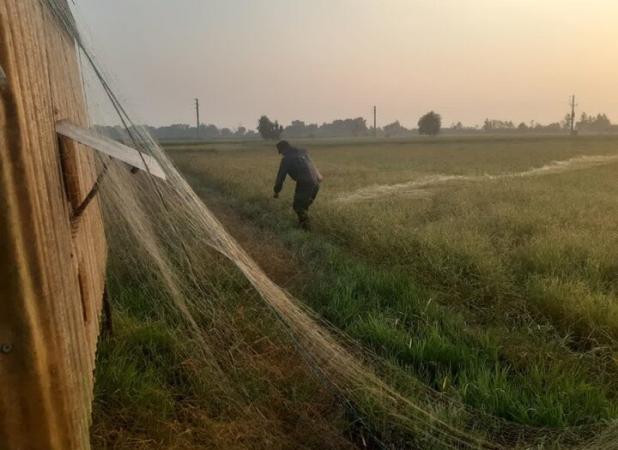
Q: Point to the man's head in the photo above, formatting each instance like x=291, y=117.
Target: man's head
x=283, y=146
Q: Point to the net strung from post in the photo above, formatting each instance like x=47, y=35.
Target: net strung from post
x=163, y=231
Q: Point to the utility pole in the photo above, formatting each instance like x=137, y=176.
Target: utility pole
x=197, y=116
x=572, y=124
x=375, y=121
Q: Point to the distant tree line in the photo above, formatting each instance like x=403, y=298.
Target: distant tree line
x=595, y=124
x=338, y=128
x=429, y=124
x=206, y=131
x=586, y=124
x=182, y=132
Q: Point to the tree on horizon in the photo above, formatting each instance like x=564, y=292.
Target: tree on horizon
x=430, y=124
x=269, y=129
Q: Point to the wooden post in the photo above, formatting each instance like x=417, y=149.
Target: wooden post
x=375, y=121
x=197, y=118
x=572, y=124
x=51, y=278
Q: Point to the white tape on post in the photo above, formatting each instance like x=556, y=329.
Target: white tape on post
x=110, y=147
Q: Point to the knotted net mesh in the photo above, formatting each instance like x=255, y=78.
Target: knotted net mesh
x=162, y=235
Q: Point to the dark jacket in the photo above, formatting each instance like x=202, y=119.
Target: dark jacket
x=297, y=164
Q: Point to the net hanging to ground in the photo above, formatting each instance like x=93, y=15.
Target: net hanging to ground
x=164, y=228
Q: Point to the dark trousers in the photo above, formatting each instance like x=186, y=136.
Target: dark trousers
x=304, y=195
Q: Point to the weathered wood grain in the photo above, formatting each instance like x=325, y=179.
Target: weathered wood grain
x=51, y=279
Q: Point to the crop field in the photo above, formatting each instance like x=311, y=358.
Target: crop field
x=486, y=267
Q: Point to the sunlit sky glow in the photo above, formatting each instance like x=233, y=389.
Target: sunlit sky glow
x=318, y=60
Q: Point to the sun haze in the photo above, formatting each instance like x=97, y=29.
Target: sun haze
x=318, y=60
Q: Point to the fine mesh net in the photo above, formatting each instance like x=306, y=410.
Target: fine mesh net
x=162, y=236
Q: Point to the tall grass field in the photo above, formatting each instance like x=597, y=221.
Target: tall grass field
x=488, y=267
x=485, y=267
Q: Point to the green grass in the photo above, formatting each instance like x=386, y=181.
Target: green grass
x=501, y=293
x=155, y=389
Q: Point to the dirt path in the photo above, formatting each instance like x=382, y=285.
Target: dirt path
x=279, y=263
x=285, y=269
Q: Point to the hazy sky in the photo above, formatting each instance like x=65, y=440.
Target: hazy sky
x=317, y=60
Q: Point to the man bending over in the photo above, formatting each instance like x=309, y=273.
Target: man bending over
x=297, y=164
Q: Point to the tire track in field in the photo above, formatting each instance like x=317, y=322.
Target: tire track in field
x=418, y=187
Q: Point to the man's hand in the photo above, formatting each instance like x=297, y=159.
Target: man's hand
x=276, y=195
